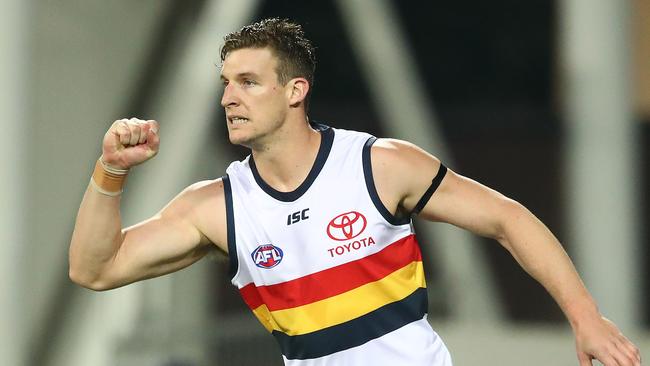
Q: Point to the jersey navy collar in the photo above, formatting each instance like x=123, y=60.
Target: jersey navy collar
x=327, y=138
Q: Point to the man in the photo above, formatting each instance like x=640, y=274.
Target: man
x=316, y=222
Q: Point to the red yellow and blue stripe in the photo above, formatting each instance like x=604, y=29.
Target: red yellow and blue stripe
x=344, y=306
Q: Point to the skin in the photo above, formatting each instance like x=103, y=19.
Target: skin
x=104, y=256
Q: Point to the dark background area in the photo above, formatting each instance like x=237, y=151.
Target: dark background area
x=490, y=71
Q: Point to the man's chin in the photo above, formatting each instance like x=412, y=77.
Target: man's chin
x=238, y=139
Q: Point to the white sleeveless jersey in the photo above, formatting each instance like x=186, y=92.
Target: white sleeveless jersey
x=327, y=269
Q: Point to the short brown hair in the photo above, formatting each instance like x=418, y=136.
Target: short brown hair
x=287, y=41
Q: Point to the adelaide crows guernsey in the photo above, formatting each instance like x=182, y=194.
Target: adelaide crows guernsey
x=327, y=269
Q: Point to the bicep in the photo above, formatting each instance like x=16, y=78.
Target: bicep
x=160, y=245
x=468, y=204
x=169, y=241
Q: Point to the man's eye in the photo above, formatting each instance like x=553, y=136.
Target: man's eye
x=249, y=82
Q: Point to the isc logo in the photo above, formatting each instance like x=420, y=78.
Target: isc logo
x=267, y=256
x=297, y=216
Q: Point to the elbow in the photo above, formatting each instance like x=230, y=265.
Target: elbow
x=90, y=282
x=510, y=216
x=85, y=275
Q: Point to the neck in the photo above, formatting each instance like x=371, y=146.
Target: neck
x=285, y=162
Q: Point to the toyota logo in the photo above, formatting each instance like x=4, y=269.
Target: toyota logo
x=346, y=226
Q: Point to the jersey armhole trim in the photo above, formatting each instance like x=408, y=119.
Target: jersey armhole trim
x=435, y=183
x=230, y=228
x=372, y=190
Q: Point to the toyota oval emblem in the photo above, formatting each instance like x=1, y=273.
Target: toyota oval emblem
x=346, y=226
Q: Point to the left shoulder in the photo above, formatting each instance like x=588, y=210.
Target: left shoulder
x=402, y=172
x=402, y=154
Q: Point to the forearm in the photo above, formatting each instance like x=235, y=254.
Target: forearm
x=472, y=206
x=96, y=237
x=540, y=254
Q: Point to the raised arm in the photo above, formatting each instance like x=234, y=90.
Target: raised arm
x=103, y=256
x=403, y=172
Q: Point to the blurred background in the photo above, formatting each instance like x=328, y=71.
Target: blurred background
x=546, y=101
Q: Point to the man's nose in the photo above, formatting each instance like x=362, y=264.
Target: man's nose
x=229, y=97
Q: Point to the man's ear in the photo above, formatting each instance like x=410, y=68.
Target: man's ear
x=298, y=89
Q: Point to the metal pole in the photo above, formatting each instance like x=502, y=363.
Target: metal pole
x=392, y=75
x=14, y=35
x=601, y=154
x=174, y=308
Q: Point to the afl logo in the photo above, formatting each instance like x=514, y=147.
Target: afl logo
x=346, y=226
x=267, y=256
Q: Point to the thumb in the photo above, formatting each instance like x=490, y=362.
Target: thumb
x=153, y=125
x=585, y=359
x=153, y=140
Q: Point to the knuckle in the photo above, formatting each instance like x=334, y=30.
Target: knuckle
x=115, y=125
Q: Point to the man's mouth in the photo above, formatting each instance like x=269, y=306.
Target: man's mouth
x=237, y=120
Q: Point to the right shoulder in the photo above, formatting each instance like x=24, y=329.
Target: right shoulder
x=203, y=204
x=205, y=189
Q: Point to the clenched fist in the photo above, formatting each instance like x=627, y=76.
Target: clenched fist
x=130, y=142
